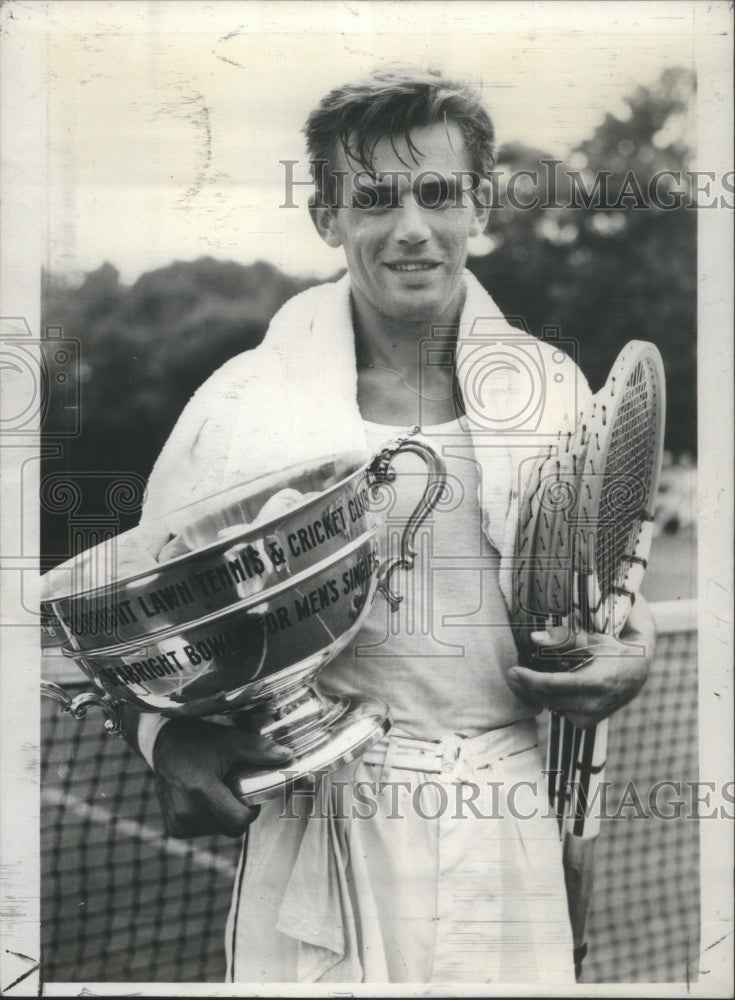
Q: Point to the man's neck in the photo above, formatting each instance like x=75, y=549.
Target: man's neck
x=381, y=339
x=399, y=380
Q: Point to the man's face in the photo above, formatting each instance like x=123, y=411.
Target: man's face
x=405, y=229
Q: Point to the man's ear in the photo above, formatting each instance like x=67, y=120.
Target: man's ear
x=481, y=201
x=325, y=222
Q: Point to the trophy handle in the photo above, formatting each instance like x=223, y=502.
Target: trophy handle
x=77, y=707
x=380, y=471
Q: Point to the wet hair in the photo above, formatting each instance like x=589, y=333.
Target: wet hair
x=391, y=102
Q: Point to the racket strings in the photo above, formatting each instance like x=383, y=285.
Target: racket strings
x=625, y=495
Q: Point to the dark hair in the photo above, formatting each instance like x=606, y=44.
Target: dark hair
x=390, y=102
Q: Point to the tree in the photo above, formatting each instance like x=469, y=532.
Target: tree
x=615, y=266
x=143, y=350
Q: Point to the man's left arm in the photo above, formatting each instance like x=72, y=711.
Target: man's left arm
x=592, y=692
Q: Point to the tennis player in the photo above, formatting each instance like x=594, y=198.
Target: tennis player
x=432, y=859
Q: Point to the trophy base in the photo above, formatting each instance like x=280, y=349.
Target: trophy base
x=355, y=723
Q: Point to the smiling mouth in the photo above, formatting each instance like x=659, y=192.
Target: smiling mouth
x=413, y=266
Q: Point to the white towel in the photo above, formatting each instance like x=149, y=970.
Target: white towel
x=294, y=398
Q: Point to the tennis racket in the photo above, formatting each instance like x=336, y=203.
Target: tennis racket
x=584, y=538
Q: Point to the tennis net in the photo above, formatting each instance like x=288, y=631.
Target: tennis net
x=122, y=902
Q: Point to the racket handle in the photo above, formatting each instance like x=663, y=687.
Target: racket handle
x=561, y=757
x=554, y=774
x=587, y=775
x=579, y=869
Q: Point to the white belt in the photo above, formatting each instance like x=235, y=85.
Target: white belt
x=452, y=754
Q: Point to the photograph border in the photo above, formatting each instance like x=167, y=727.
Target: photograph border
x=24, y=30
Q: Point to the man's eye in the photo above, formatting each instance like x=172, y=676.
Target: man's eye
x=374, y=198
x=435, y=193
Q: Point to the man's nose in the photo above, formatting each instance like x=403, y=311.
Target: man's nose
x=410, y=224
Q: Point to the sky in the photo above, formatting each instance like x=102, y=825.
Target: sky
x=165, y=123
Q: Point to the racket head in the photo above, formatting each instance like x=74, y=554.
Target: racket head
x=527, y=588
x=542, y=569
x=619, y=484
x=555, y=526
x=585, y=519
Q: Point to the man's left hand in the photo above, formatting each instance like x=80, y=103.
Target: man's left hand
x=613, y=677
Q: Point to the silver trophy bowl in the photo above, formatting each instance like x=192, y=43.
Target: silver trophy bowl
x=254, y=591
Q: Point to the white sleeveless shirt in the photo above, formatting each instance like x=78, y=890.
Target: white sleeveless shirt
x=439, y=660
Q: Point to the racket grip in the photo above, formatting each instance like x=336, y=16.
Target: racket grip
x=583, y=818
x=579, y=868
x=554, y=773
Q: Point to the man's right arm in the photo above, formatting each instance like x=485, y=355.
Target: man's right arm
x=191, y=759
